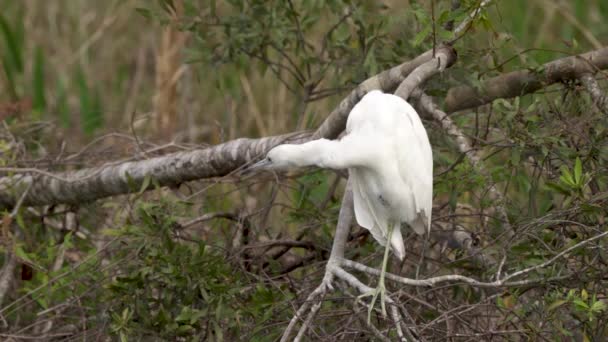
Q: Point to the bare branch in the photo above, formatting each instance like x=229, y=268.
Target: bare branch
x=7, y=274
x=345, y=219
x=109, y=180
x=337, y=253
x=465, y=23
x=8, y=269
x=463, y=240
x=444, y=58
x=552, y=260
x=386, y=81
x=521, y=82
x=464, y=146
x=599, y=99
x=502, y=282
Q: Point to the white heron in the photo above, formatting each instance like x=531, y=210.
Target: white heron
x=388, y=155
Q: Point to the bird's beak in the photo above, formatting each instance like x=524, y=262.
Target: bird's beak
x=261, y=165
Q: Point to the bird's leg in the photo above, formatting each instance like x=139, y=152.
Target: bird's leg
x=381, y=289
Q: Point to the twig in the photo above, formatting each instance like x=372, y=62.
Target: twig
x=550, y=261
x=464, y=25
x=449, y=26
x=8, y=269
x=464, y=146
x=337, y=253
x=502, y=282
x=7, y=274
x=352, y=281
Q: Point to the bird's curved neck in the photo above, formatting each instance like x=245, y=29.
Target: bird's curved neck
x=310, y=153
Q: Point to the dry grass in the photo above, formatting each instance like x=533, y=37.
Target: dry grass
x=169, y=69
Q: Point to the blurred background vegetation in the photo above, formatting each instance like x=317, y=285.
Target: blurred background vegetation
x=89, y=82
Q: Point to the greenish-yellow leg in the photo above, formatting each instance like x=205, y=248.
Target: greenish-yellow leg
x=381, y=289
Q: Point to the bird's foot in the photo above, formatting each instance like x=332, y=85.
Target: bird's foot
x=379, y=291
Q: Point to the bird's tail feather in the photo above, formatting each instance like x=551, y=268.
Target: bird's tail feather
x=397, y=242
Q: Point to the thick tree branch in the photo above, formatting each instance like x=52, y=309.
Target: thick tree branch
x=444, y=58
x=94, y=183
x=522, y=82
x=109, y=180
x=386, y=81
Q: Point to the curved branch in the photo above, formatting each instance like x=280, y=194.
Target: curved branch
x=444, y=58
x=599, y=99
x=386, y=81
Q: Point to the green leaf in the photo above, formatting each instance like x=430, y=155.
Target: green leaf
x=556, y=304
x=515, y=156
x=13, y=46
x=443, y=17
x=90, y=105
x=12, y=59
x=445, y=34
x=145, y=184
x=578, y=171
x=598, y=306
x=580, y=305
x=22, y=254
x=145, y=12
x=421, y=35
x=566, y=176
x=67, y=240
x=558, y=188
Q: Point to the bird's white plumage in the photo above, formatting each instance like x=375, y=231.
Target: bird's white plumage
x=389, y=158
x=396, y=184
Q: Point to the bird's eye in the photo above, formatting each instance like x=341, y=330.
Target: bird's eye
x=269, y=159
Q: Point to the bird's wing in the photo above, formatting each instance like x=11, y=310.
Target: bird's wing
x=363, y=212
x=374, y=218
x=366, y=212
x=415, y=162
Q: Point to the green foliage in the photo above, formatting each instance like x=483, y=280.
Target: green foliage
x=12, y=54
x=584, y=308
x=167, y=288
x=300, y=42
x=91, y=115
x=546, y=152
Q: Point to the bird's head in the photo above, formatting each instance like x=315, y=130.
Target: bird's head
x=279, y=158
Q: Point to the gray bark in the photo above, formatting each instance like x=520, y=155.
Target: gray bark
x=521, y=82
x=386, y=81
x=94, y=183
x=599, y=98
